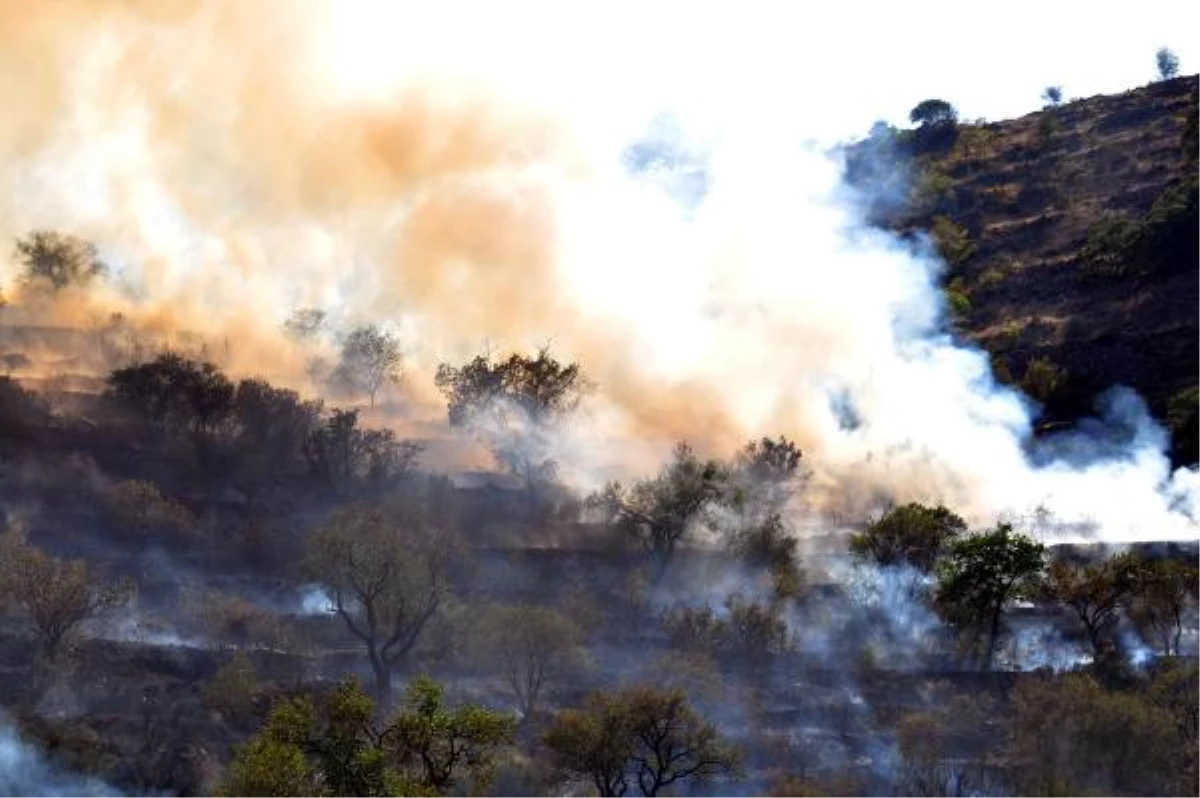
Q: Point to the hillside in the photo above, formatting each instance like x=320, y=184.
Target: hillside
x=1071, y=238
x=198, y=563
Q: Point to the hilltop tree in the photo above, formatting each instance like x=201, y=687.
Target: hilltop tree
x=1167, y=63
x=640, y=737
x=980, y=575
x=55, y=595
x=1053, y=95
x=937, y=132
x=387, y=579
x=658, y=513
x=57, y=259
x=933, y=113
x=1095, y=593
x=370, y=357
x=912, y=534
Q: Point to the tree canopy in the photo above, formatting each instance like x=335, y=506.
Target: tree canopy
x=933, y=113
x=332, y=746
x=658, y=513
x=911, y=534
x=640, y=737
x=57, y=259
x=980, y=575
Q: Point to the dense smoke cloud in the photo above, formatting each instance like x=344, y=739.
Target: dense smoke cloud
x=236, y=161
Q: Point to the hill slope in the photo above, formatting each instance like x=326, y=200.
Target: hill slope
x=1071, y=235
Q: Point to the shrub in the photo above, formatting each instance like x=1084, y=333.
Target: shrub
x=952, y=240
x=142, y=514
x=1163, y=239
x=1043, y=378
x=1190, y=140
x=958, y=302
x=233, y=688
x=1108, y=245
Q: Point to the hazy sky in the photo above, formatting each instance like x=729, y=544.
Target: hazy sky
x=827, y=70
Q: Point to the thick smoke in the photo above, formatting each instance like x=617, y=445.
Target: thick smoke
x=235, y=161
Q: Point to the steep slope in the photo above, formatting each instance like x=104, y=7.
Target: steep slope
x=1071, y=238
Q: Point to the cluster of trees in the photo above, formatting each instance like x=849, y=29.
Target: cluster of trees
x=254, y=429
x=640, y=738
x=977, y=577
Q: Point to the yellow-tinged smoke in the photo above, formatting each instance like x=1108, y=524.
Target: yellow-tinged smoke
x=456, y=171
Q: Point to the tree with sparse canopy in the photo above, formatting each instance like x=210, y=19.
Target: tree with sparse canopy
x=1163, y=592
x=55, y=595
x=658, y=513
x=766, y=473
x=57, y=259
x=1095, y=593
x=532, y=646
x=370, y=357
x=1052, y=95
x=1167, y=62
x=980, y=575
x=912, y=534
x=641, y=737
x=332, y=746
x=387, y=577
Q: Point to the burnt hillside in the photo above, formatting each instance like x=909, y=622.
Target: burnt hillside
x=1071, y=239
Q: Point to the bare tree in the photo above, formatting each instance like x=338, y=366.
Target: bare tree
x=370, y=357
x=387, y=578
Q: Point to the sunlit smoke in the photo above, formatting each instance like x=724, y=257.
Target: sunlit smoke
x=236, y=161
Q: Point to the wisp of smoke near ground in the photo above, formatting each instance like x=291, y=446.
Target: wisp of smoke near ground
x=236, y=161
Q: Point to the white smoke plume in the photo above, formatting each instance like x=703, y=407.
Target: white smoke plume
x=468, y=175
x=23, y=771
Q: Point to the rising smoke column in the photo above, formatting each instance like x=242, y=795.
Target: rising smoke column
x=235, y=161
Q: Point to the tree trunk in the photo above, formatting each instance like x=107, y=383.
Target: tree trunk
x=383, y=681
x=993, y=635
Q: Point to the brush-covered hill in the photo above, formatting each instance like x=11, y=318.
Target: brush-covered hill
x=1070, y=236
